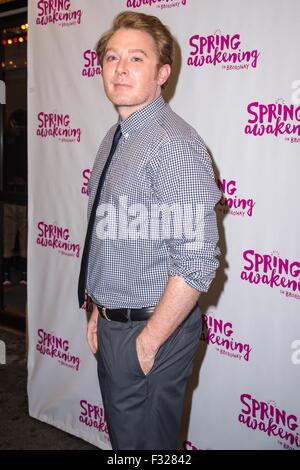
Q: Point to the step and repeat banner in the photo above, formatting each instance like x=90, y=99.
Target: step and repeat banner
x=237, y=81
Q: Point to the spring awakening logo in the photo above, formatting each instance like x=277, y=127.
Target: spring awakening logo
x=57, y=238
x=57, y=126
x=156, y=3
x=220, y=333
x=230, y=203
x=91, y=67
x=56, y=348
x=86, y=174
x=188, y=445
x=273, y=271
x=268, y=418
x=224, y=49
x=93, y=416
x=57, y=12
x=276, y=119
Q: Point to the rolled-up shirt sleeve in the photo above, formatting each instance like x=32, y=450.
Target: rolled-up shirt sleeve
x=182, y=175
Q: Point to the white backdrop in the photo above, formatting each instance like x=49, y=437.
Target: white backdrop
x=238, y=83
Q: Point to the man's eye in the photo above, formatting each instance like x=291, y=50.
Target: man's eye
x=110, y=58
x=137, y=59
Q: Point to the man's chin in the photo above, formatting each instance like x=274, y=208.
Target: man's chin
x=122, y=104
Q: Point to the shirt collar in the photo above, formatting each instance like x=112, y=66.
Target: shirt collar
x=140, y=117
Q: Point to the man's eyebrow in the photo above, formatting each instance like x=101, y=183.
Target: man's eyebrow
x=110, y=49
x=131, y=51
x=138, y=50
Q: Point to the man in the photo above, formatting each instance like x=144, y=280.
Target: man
x=144, y=286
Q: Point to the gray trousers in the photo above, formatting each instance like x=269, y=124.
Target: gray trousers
x=144, y=411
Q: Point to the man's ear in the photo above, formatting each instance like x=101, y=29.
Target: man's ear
x=163, y=74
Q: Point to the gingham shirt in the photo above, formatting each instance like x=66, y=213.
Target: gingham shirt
x=160, y=159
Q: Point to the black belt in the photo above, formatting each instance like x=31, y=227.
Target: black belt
x=125, y=314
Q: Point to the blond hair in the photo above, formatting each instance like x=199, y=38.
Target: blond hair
x=161, y=35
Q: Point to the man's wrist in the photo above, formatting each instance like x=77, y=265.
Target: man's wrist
x=94, y=311
x=149, y=342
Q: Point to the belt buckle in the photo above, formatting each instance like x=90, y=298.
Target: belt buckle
x=104, y=314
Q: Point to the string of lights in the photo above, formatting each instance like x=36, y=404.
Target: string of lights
x=17, y=39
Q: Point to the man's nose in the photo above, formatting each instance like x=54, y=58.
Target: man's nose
x=122, y=67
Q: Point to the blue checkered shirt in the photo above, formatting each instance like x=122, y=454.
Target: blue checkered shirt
x=160, y=160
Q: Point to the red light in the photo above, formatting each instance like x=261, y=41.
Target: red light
x=15, y=39
x=4, y=42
